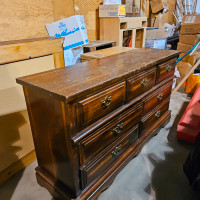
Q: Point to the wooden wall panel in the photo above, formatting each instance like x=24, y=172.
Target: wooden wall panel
x=24, y=19
x=62, y=9
x=89, y=9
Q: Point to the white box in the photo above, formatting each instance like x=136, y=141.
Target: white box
x=73, y=56
x=110, y=2
x=72, y=28
x=156, y=43
x=114, y=10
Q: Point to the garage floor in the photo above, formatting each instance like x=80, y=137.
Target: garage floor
x=156, y=173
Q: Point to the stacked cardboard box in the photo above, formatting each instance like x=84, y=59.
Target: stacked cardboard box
x=190, y=35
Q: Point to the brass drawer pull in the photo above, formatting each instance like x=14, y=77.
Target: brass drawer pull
x=160, y=96
x=118, y=128
x=144, y=82
x=116, y=151
x=168, y=68
x=157, y=114
x=106, y=102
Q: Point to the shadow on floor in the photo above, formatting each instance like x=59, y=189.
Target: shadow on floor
x=9, y=135
x=168, y=179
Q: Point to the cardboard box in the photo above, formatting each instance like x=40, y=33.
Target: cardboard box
x=183, y=68
x=190, y=24
x=190, y=59
x=114, y=10
x=156, y=43
x=132, y=7
x=156, y=33
x=110, y=2
x=157, y=20
x=158, y=5
x=73, y=29
x=73, y=56
x=189, y=39
x=185, y=47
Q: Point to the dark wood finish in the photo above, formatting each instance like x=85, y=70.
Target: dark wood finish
x=154, y=115
x=157, y=97
x=80, y=148
x=140, y=83
x=166, y=69
x=106, y=157
x=99, y=104
x=91, y=128
x=106, y=179
x=97, y=45
x=110, y=132
x=76, y=81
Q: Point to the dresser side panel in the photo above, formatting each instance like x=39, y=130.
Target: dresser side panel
x=51, y=138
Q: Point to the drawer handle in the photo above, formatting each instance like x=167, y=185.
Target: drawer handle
x=144, y=82
x=160, y=96
x=106, y=102
x=157, y=114
x=116, y=151
x=168, y=68
x=118, y=128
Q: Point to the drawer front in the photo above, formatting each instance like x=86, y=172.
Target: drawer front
x=106, y=157
x=140, y=83
x=156, y=97
x=148, y=120
x=166, y=69
x=93, y=144
x=99, y=104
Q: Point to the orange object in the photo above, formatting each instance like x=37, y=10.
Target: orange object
x=193, y=82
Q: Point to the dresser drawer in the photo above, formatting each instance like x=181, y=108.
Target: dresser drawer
x=140, y=83
x=106, y=157
x=148, y=120
x=166, y=69
x=99, y=104
x=111, y=131
x=156, y=97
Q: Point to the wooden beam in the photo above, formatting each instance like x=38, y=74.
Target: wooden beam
x=17, y=50
x=59, y=60
x=186, y=76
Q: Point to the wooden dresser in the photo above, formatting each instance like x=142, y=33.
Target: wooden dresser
x=89, y=120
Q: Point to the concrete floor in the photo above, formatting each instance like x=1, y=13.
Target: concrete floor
x=156, y=173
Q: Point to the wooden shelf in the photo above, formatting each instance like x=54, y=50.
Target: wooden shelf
x=133, y=28
x=17, y=50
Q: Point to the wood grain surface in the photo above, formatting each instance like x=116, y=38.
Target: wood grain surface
x=16, y=50
x=74, y=81
x=24, y=19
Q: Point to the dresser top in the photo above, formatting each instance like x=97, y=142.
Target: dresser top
x=77, y=80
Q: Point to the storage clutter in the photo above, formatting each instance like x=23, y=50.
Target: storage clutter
x=189, y=37
x=73, y=29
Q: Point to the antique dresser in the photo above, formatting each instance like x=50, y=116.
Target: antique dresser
x=89, y=120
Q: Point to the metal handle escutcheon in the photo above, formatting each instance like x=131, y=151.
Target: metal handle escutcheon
x=118, y=128
x=157, y=114
x=116, y=151
x=168, y=68
x=160, y=96
x=144, y=82
x=106, y=102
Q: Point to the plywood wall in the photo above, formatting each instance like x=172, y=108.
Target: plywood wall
x=89, y=9
x=24, y=19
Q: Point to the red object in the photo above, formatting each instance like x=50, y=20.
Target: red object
x=188, y=127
